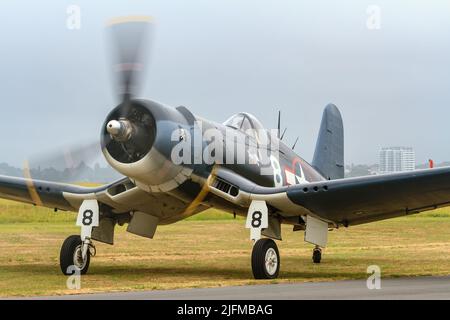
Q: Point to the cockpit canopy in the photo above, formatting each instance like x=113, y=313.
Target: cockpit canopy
x=244, y=121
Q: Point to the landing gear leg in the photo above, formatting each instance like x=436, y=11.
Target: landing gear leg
x=317, y=254
x=265, y=255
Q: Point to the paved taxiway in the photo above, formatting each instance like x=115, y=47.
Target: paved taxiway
x=400, y=288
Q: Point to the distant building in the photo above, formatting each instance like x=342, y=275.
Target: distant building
x=396, y=159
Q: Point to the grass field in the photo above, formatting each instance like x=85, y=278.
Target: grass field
x=210, y=249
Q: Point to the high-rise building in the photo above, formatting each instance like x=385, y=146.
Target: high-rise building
x=396, y=159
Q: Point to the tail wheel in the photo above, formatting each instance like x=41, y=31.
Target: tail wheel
x=317, y=255
x=71, y=256
x=265, y=259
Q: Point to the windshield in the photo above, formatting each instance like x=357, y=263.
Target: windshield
x=246, y=123
x=235, y=121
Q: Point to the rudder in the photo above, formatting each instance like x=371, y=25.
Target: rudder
x=329, y=154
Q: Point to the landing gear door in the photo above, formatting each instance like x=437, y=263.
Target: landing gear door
x=257, y=219
x=316, y=231
x=88, y=217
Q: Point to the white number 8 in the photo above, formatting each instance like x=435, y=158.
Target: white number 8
x=277, y=177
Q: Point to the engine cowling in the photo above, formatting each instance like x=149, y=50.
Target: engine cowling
x=136, y=141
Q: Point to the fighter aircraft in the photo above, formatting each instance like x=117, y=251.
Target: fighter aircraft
x=171, y=172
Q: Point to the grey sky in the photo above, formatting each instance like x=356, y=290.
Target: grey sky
x=219, y=57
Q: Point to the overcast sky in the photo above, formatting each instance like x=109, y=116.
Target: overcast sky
x=219, y=57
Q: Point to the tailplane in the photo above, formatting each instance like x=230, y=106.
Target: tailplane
x=329, y=154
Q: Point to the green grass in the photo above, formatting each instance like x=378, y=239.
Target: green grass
x=211, y=249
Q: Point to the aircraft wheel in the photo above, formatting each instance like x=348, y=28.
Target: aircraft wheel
x=70, y=255
x=265, y=259
x=317, y=255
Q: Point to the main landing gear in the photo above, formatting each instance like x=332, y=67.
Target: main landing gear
x=76, y=251
x=265, y=255
x=265, y=259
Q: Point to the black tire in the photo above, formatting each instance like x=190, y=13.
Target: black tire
x=66, y=256
x=260, y=248
x=317, y=255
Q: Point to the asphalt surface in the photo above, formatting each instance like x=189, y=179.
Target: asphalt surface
x=400, y=288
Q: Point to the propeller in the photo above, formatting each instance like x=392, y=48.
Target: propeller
x=66, y=164
x=129, y=39
x=130, y=46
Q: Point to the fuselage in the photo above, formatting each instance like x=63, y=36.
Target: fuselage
x=183, y=150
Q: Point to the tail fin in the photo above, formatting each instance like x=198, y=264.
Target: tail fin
x=329, y=154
